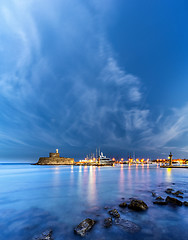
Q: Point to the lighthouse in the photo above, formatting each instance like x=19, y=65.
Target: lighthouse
x=170, y=159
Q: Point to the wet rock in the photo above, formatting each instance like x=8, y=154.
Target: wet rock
x=84, y=227
x=174, y=201
x=153, y=194
x=169, y=190
x=177, y=193
x=127, y=225
x=47, y=235
x=123, y=204
x=107, y=222
x=160, y=202
x=114, y=213
x=138, y=205
x=159, y=198
x=185, y=203
x=179, y=196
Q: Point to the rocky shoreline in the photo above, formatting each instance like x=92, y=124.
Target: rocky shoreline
x=116, y=216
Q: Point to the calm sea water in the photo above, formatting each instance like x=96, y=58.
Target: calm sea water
x=36, y=198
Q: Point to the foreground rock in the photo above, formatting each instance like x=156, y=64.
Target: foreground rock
x=177, y=194
x=114, y=213
x=159, y=198
x=47, y=235
x=123, y=205
x=138, y=205
x=160, y=203
x=185, y=203
x=107, y=222
x=173, y=201
x=127, y=225
x=84, y=227
x=169, y=190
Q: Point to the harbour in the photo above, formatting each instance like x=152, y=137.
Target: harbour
x=93, y=120
x=101, y=160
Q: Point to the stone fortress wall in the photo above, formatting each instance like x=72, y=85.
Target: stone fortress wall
x=55, y=159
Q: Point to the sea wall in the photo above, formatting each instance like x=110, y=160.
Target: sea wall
x=55, y=161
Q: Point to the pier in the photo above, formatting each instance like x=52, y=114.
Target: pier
x=170, y=165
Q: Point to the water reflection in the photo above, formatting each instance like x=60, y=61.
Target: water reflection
x=56, y=179
x=61, y=192
x=92, y=186
x=80, y=181
x=129, y=177
x=121, y=179
x=85, y=168
x=169, y=174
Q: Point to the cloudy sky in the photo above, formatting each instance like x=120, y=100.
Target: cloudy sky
x=76, y=75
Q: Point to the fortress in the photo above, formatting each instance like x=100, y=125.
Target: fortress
x=55, y=159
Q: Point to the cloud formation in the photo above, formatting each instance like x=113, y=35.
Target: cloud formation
x=61, y=84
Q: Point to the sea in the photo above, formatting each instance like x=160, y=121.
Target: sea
x=34, y=199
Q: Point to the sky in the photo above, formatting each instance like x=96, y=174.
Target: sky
x=77, y=74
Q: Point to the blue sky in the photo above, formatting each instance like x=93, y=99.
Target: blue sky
x=76, y=75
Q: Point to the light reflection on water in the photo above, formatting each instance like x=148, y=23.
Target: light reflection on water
x=121, y=179
x=169, y=174
x=92, y=198
x=33, y=198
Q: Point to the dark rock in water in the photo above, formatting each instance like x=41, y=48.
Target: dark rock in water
x=47, y=235
x=185, y=203
x=84, y=226
x=122, y=198
x=179, y=196
x=123, y=204
x=138, y=205
x=169, y=190
x=173, y=201
x=153, y=194
x=160, y=203
x=114, y=213
x=177, y=193
x=159, y=198
x=108, y=222
x=127, y=225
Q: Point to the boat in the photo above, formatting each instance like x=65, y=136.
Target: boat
x=105, y=160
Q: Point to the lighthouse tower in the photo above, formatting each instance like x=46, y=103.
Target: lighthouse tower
x=170, y=159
